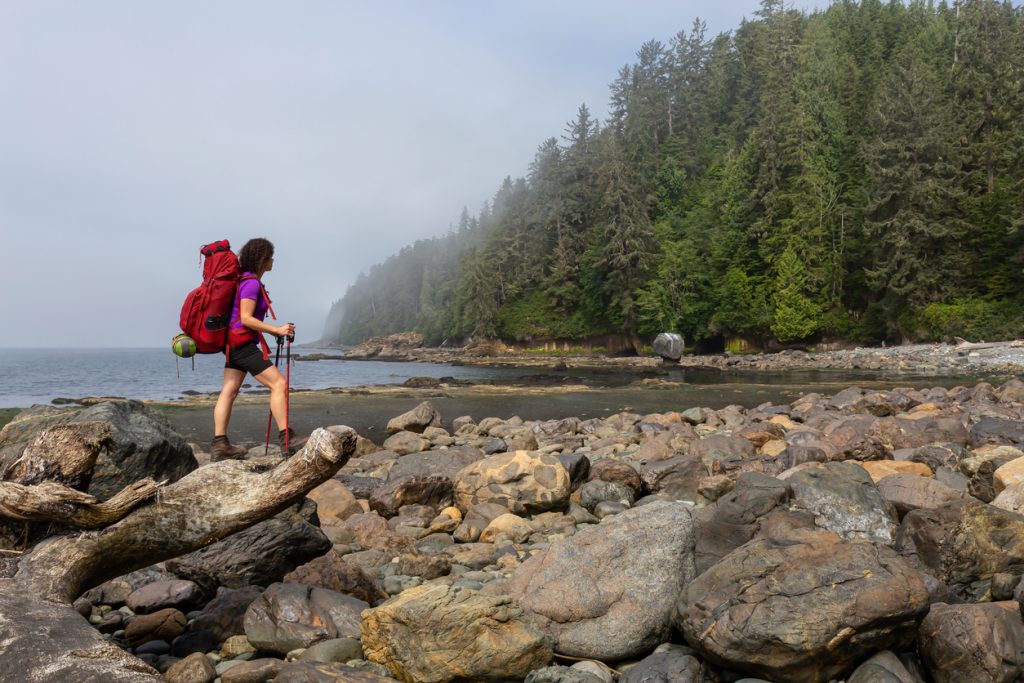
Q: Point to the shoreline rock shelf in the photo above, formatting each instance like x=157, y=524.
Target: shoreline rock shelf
x=865, y=536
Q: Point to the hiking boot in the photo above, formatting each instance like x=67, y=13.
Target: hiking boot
x=295, y=442
x=221, y=449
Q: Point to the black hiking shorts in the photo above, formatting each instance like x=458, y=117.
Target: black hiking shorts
x=247, y=358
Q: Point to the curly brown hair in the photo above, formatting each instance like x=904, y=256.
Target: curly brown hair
x=254, y=255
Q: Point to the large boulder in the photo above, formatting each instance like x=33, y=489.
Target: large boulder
x=983, y=642
x=332, y=572
x=416, y=420
x=669, y=345
x=141, y=443
x=318, y=672
x=908, y=492
x=370, y=530
x=677, y=477
x=259, y=555
x=734, y=518
x=46, y=641
x=857, y=438
x=334, y=502
x=717, y=448
x=436, y=633
x=802, y=607
x=524, y=482
x=607, y=592
x=433, y=489
x=843, y=499
x=291, y=615
x=884, y=667
x=406, y=443
x=224, y=615
x=1001, y=431
x=673, y=665
x=906, y=432
x=166, y=624
x=160, y=594
x=965, y=544
x=446, y=463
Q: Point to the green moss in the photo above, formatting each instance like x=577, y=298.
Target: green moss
x=7, y=414
x=737, y=345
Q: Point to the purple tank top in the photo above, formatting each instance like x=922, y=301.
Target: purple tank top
x=248, y=288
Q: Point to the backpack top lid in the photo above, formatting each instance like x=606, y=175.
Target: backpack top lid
x=214, y=247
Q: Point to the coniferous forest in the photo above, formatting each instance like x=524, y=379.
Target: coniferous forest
x=855, y=173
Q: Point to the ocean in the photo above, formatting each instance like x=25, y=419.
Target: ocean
x=31, y=376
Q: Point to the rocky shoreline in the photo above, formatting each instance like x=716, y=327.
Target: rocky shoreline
x=998, y=358
x=864, y=536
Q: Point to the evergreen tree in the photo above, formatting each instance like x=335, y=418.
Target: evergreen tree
x=914, y=192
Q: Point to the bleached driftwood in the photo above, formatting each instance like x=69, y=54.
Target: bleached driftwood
x=45, y=639
x=55, y=502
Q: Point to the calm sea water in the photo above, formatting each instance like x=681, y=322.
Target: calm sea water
x=30, y=376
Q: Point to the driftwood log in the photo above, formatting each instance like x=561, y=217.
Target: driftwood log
x=42, y=638
x=964, y=345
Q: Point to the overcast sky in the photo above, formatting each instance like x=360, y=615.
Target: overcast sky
x=133, y=132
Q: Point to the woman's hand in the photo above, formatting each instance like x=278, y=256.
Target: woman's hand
x=286, y=330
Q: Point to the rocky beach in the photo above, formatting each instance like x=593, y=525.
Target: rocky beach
x=865, y=534
x=964, y=358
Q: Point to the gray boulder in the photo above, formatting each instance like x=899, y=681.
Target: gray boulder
x=672, y=666
x=588, y=591
x=416, y=420
x=598, y=491
x=434, y=490
x=964, y=544
x=34, y=631
x=446, y=463
x=142, y=443
x=997, y=430
x=843, y=498
x=908, y=492
x=224, y=615
x=561, y=674
x=735, y=518
x=291, y=615
x=259, y=555
x=973, y=642
x=885, y=667
x=806, y=606
x=669, y=345
x=318, y=672
x=156, y=596
x=676, y=477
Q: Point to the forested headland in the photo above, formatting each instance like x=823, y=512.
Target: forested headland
x=855, y=173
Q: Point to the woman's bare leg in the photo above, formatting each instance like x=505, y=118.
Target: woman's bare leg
x=272, y=379
x=222, y=412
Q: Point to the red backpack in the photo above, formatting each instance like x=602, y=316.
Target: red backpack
x=206, y=313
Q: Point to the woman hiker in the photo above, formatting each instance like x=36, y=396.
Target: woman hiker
x=245, y=355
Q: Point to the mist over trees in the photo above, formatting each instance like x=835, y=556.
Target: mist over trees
x=855, y=173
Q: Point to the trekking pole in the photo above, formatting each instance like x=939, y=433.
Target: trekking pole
x=287, y=389
x=277, y=359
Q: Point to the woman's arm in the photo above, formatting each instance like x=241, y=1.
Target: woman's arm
x=246, y=308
